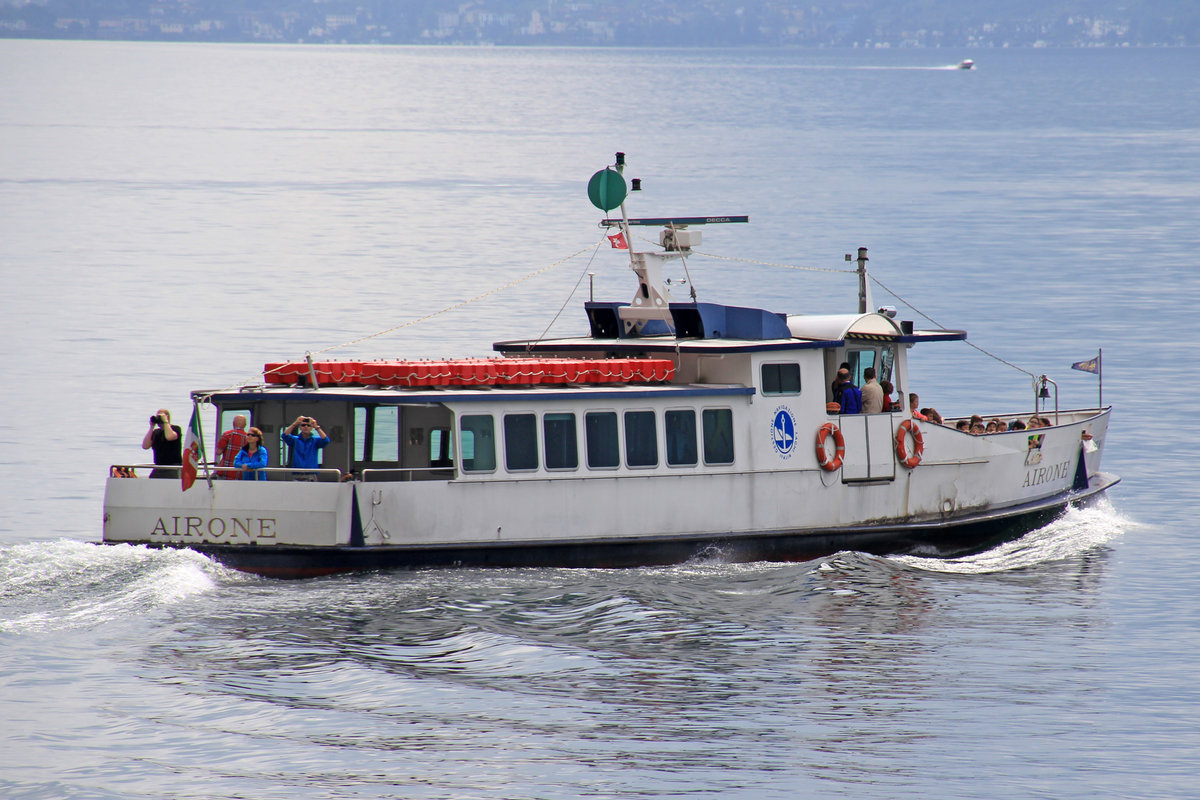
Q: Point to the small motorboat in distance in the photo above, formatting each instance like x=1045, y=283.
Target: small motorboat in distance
x=966, y=63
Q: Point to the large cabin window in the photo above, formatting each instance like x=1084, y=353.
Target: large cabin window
x=718, y=435
x=478, y=435
x=520, y=442
x=781, y=379
x=681, y=438
x=641, y=439
x=562, y=449
x=603, y=443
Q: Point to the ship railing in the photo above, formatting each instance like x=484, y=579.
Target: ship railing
x=392, y=474
x=1066, y=417
x=320, y=475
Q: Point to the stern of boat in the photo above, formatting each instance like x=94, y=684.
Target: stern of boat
x=252, y=513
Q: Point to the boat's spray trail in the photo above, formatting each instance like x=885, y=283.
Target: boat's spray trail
x=64, y=584
x=1077, y=531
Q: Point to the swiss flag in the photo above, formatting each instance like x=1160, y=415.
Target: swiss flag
x=617, y=240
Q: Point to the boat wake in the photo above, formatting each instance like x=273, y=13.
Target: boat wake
x=64, y=584
x=1077, y=531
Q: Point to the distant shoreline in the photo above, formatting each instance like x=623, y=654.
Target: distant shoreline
x=883, y=47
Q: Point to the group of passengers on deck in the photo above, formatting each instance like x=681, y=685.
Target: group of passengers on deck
x=875, y=396
x=240, y=447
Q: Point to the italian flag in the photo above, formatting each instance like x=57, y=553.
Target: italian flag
x=191, y=451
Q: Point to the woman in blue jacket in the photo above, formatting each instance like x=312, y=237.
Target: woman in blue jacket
x=252, y=457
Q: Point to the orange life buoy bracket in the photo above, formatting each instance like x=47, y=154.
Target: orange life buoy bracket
x=906, y=427
x=839, y=442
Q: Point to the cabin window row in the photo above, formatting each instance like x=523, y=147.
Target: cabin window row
x=554, y=444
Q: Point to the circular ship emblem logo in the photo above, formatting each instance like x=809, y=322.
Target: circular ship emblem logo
x=783, y=432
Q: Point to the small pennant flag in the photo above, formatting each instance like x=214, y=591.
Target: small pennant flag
x=1092, y=365
x=191, y=452
x=617, y=240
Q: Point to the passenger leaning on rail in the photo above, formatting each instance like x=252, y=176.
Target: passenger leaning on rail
x=305, y=446
x=166, y=441
x=252, y=457
x=913, y=402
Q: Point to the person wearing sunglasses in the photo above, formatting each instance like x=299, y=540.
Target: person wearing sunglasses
x=304, y=446
x=252, y=457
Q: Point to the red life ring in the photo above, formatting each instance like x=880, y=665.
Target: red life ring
x=839, y=442
x=907, y=427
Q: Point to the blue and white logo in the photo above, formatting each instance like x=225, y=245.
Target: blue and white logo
x=783, y=432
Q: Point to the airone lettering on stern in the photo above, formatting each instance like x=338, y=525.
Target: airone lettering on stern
x=216, y=527
x=1053, y=472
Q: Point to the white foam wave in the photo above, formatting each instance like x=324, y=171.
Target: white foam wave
x=69, y=584
x=1077, y=531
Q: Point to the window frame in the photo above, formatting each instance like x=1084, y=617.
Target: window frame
x=762, y=379
x=667, y=437
x=535, y=449
x=616, y=442
x=626, y=433
x=574, y=440
x=704, y=412
x=462, y=460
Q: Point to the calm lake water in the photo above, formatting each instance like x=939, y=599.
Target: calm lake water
x=174, y=216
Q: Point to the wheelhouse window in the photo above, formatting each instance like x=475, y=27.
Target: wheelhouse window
x=227, y=415
x=781, y=378
x=859, y=360
x=681, y=438
x=641, y=439
x=718, y=435
x=478, y=438
x=561, y=445
x=520, y=442
x=603, y=443
x=225, y=421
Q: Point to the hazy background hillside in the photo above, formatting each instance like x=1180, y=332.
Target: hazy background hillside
x=815, y=23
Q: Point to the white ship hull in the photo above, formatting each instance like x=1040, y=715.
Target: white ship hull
x=967, y=492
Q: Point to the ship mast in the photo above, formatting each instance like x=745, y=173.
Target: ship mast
x=650, y=310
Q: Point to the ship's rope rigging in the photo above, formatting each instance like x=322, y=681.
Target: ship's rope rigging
x=570, y=294
x=908, y=303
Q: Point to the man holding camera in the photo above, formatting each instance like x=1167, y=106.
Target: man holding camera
x=167, y=442
x=305, y=446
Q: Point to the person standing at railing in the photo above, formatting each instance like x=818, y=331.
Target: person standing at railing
x=167, y=442
x=849, y=395
x=305, y=446
x=229, y=445
x=252, y=458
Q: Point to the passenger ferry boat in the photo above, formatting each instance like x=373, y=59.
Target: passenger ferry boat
x=674, y=430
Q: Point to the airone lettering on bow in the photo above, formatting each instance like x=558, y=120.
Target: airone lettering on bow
x=216, y=527
x=1054, y=472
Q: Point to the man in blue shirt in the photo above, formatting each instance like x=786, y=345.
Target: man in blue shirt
x=848, y=394
x=305, y=446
